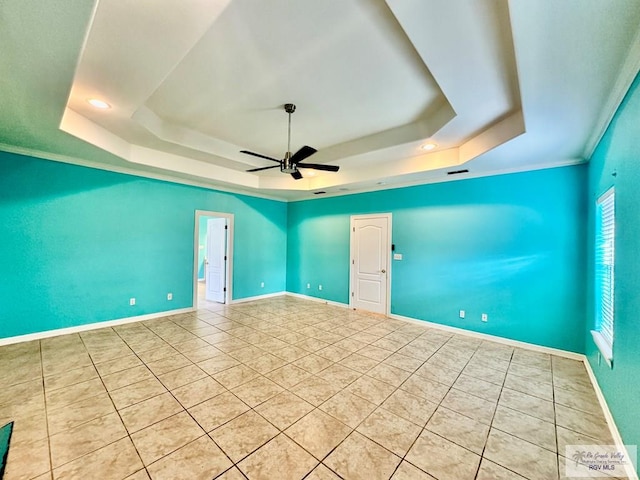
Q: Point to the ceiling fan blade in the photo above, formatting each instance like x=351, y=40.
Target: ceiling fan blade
x=296, y=175
x=262, y=168
x=319, y=166
x=303, y=153
x=258, y=155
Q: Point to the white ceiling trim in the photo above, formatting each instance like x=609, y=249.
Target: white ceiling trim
x=79, y=126
x=189, y=138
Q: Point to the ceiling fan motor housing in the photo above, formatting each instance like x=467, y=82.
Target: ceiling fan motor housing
x=287, y=166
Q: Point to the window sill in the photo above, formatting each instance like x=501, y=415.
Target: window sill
x=603, y=347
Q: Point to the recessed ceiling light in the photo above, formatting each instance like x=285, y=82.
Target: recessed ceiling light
x=429, y=146
x=96, y=102
x=382, y=183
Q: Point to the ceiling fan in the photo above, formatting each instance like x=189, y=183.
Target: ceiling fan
x=291, y=163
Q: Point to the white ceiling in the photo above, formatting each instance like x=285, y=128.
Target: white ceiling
x=499, y=85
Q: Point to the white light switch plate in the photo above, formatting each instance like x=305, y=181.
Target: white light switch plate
x=397, y=256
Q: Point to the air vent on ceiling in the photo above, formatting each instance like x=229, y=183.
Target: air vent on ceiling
x=457, y=172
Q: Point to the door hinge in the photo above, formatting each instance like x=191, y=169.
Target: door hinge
x=225, y=258
x=224, y=289
x=226, y=227
x=354, y=229
x=353, y=262
x=352, y=294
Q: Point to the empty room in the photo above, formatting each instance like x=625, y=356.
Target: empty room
x=363, y=239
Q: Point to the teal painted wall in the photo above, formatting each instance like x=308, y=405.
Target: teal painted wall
x=511, y=246
x=77, y=243
x=619, y=153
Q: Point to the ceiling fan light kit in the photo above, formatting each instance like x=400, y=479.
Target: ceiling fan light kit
x=291, y=163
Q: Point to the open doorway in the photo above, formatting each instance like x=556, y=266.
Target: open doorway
x=213, y=258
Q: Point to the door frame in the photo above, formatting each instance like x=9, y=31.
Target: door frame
x=352, y=249
x=229, y=253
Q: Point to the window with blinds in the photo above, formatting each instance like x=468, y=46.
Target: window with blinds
x=604, y=274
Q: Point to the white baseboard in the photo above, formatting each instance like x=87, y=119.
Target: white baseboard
x=257, y=297
x=316, y=299
x=617, y=438
x=493, y=338
x=90, y=326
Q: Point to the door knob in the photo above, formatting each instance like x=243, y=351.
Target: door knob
x=383, y=271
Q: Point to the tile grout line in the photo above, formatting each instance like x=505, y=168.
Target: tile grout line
x=179, y=403
x=555, y=416
x=484, y=447
x=236, y=464
x=424, y=427
x=380, y=406
x=46, y=411
x=206, y=434
x=282, y=327
x=113, y=403
x=287, y=389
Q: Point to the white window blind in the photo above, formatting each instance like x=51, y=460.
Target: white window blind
x=604, y=273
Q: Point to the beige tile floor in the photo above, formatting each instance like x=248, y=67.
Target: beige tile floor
x=285, y=388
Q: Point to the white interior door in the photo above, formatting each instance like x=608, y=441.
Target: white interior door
x=215, y=267
x=370, y=262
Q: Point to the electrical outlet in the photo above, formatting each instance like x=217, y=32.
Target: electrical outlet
x=132, y=301
x=308, y=285
x=319, y=287
x=169, y=296
x=485, y=317
x=462, y=313
x=261, y=284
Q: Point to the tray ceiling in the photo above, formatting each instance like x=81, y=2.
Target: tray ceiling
x=499, y=86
